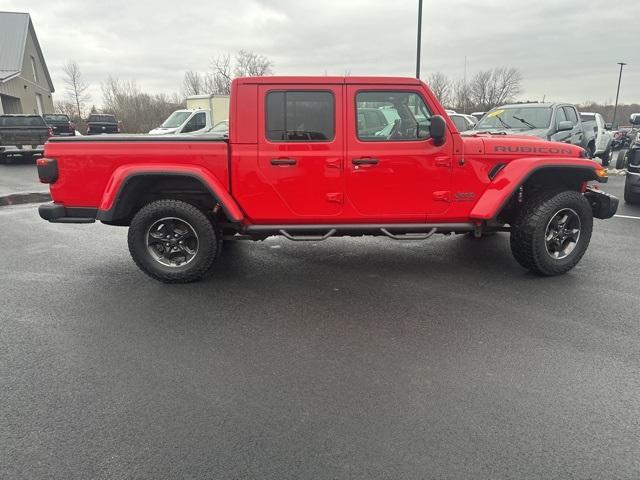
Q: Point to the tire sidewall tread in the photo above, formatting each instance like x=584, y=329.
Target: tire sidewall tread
x=529, y=228
x=209, y=241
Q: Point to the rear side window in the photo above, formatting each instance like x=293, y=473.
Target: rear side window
x=300, y=116
x=405, y=113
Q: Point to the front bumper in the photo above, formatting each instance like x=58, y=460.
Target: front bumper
x=58, y=213
x=603, y=204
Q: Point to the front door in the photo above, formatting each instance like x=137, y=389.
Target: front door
x=301, y=153
x=394, y=170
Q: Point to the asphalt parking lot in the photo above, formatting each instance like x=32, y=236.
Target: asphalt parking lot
x=349, y=358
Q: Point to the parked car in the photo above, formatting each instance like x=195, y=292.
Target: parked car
x=99, y=123
x=478, y=115
x=185, y=121
x=632, y=179
x=557, y=122
x=22, y=134
x=219, y=130
x=299, y=163
x=60, y=124
x=604, y=137
x=462, y=122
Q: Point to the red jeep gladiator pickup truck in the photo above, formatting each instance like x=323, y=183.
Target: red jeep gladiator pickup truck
x=310, y=158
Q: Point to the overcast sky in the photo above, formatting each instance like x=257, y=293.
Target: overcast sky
x=566, y=49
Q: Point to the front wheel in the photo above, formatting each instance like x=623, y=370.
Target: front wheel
x=173, y=241
x=552, y=232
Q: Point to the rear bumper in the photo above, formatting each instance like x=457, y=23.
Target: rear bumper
x=14, y=149
x=58, y=213
x=603, y=205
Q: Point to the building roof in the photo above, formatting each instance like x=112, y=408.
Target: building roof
x=14, y=31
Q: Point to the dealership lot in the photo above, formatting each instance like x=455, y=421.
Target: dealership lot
x=349, y=358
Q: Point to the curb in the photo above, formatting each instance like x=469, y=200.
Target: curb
x=22, y=198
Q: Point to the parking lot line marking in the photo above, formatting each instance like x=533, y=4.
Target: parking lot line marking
x=627, y=216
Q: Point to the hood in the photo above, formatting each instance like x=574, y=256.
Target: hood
x=162, y=131
x=522, y=145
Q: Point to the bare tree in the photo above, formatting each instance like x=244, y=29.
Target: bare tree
x=460, y=95
x=219, y=80
x=490, y=88
x=76, y=87
x=138, y=111
x=193, y=83
x=250, y=64
x=440, y=86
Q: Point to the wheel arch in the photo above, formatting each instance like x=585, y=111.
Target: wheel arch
x=569, y=174
x=129, y=190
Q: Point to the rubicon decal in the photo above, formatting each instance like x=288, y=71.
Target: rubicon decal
x=525, y=149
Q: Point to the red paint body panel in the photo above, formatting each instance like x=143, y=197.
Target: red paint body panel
x=413, y=181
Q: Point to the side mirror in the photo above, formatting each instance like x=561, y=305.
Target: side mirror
x=565, y=125
x=635, y=118
x=438, y=129
x=608, y=126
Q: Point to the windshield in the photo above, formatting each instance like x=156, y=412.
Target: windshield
x=56, y=118
x=517, y=118
x=221, y=127
x=176, y=119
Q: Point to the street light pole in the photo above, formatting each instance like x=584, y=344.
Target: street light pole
x=419, y=38
x=615, y=108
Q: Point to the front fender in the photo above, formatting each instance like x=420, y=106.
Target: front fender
x=123, y=174
x=516, y=172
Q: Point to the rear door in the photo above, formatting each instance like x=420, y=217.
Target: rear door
x=300, y=153
x=395, y=172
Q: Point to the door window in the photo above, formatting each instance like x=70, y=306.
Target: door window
x=406, y=117
x=197, y=122
x=300, y=116
x=560, y=116
x=571, y=114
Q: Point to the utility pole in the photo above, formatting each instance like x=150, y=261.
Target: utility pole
x=419, y=38
x=464, y=83
x=615, y=108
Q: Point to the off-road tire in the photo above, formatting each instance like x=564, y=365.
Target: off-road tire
x=528, y=231
x=208, y=233
x=629, y=196
x=621, y=159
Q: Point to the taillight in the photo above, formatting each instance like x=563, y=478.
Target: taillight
x=47, y=170
x=88, y=128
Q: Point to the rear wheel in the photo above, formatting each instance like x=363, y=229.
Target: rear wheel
x=629, y=196
x=173, y=241
x=621, y=158
x=552, y=232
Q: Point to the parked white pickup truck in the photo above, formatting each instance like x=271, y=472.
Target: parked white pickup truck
x=603, y=135
x=184, y=121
